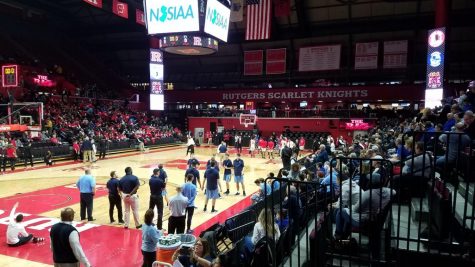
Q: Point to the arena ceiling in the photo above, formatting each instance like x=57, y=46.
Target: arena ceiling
x=123, y=45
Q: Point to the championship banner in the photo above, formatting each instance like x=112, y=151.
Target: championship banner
x=237, y=6
x=139, y=17
x=317, y=58
x=276, y=61
x=253, y=62
x=281, y=8
x=366, y=56
x=120, y=9
x=10, y=75
x=395, y=54
x=96, y=3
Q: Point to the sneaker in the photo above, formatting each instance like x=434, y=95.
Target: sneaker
x=243, y=193
x=227, y=192
x=139, y=226
x=121, y=222
x=237, y=194
x=112, y=221
x=204, y=209
x=214, y=210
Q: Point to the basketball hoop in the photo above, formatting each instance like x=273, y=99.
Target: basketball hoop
x=247, y=119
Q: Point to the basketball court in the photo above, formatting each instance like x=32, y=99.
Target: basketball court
x=43, y=192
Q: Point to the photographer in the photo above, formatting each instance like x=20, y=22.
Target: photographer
x=197, y=256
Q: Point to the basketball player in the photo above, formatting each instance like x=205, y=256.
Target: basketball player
x=238, y=165
x=211, y=181
x=238, y=143
x=263, y=147
x=270, y=148
x=252, y=147
x=222, y=149
x=191, y=146
x=227, y=165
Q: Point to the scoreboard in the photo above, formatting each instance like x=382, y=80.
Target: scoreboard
x=10, y=75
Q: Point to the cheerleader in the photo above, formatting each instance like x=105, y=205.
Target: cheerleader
x=191, y=147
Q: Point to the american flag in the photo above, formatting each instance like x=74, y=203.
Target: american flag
x=258, y=19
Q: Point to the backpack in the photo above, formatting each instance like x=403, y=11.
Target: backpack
x=263, y=255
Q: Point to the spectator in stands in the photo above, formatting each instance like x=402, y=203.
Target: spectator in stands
x=322, y=154
x=48, y=159
x=150, y=237
x=455, y=142
x=200, y=255
x=371, y=203
x=282, y=220
x=449, y=123
x=293, y=205
x=265, y=226
x=469, y=120
x=54, y=140
x=16, y=234
x=349, y=192
x=416, y=170
x=275, y=184
x=264, y=190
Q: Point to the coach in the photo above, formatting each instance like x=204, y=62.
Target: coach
x=86, y=148
x=156, y=199
x=87, y=187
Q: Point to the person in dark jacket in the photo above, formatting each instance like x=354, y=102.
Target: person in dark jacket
x=27, y=156
x=286, y=154
x=86, y=148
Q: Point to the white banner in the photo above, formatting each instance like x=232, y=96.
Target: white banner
x=395, y=54
x=366, y=55
x=317, y=58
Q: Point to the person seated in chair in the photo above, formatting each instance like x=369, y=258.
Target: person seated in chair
x=416, y=170
x=456, y=143
x=368, y=207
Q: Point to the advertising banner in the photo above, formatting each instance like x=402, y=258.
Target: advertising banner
x=172, y=16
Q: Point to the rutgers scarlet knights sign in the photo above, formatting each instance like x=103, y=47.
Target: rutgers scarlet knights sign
x=328, y=94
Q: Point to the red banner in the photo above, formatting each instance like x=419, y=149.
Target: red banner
x=282, y=8
x=329, y=94
x=253, y=62
x=276, y=61
x=96, y=3
x=139, y=17
x=120, y=9
x=13, y=128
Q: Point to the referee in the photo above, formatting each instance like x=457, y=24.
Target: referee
x=87, y=187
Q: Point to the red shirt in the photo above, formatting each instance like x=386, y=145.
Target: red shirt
x=262, y=143
x=76, y=147
x=270, y=145
x=11, y=152
x=302, y=142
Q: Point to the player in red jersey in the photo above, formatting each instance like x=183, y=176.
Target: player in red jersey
x=263, y=147
x=270, y=148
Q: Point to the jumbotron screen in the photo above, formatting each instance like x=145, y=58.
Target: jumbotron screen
x=164, y=16
x=217, y=20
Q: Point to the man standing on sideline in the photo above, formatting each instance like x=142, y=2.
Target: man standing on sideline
x=227, y=165
x=189, y=191
x=238, y=164
x=27, y=156
x=196, y=174
x=286, y=154
x=238, y=143
x=114, y=197
x=87, y=187
x=178, y=204
x=67, y=251
x=103, y=144
x=164, y=176
x=211, y=181
x=128, y=185
x=86, y=148
x=156, y=199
